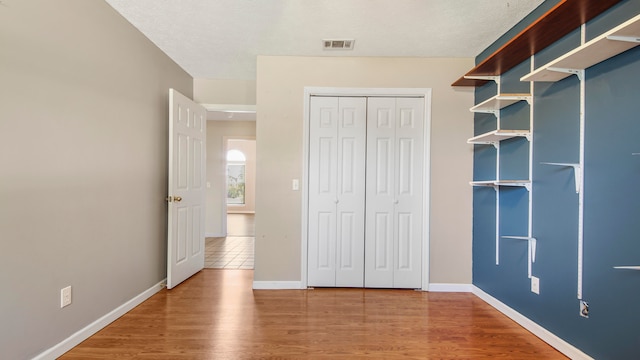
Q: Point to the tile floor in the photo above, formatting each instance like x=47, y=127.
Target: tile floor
x=234, y=251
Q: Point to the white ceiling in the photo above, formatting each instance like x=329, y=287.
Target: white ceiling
x=220, y=39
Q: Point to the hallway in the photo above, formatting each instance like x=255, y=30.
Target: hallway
x=236, y=250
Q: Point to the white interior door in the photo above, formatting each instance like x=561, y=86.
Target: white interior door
x=336, y=191
x=187, y=140
x=395, y=148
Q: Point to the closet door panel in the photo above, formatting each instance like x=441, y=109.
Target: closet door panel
x=324, y=245
x=383, y=167
x=323, y=169
x=409, y=193
x=379, y=233
x=351, y=192
x=405, y=243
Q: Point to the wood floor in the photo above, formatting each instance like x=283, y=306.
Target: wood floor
x=216, y=315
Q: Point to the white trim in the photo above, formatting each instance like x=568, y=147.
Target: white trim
x=278, y=285
x=230, y=112
x=223, y=189
x=304, y=236
x=214, y=235
x=426, y=182
x=451, y=287
x=545, y=335
x=246, y=108
x=378, y=92
x=84, y=333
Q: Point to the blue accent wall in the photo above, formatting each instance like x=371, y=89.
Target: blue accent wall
x=611, y=200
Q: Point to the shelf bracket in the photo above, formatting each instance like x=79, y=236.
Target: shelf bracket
x=632, y=39
x=627, y=267
x=577, y=72
x=495, y=78
x=532, y=245
x=494, y=112
x=495, y=144
x=577, y=172
x=490, y=184
x=517, y=183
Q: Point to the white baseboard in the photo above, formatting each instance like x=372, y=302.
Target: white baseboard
x=443, y=287
x=83, y=334
x=545, y=335
x=277, y=285
x=214, y=235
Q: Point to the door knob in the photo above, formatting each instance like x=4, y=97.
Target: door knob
x=173, y=198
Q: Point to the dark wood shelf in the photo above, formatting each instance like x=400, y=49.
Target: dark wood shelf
x=563, y=18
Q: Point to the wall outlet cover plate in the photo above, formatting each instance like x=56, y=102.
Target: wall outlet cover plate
x=535, y=285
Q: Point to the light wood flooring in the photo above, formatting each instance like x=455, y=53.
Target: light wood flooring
x=216, y=315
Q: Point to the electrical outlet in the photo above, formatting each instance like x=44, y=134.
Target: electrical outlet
x=65, y=297
x=584, y=309
x=535, y=285
x=295, y=184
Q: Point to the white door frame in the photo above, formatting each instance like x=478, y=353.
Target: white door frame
x=379, y=92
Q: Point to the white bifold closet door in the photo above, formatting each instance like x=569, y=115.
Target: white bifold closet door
x=336, y=191
x=365, y=192
x=395, y=160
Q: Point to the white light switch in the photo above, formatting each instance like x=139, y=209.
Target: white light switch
x=295, y=184
x=208, y=184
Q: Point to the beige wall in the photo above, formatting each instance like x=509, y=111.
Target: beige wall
x=223, y=91
x=280, y=85
x=217, y=131
x=83, y=137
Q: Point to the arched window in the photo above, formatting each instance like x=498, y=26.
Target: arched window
x=236, y=156
x=235, y=177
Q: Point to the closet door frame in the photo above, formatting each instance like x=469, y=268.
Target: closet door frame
x=372, y=92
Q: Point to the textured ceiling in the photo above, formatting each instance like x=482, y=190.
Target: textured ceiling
x=220, y=39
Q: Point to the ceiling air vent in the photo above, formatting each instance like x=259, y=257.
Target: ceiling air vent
x=342, y=44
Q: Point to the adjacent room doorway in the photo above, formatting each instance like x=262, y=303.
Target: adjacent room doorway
x=236, y=249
